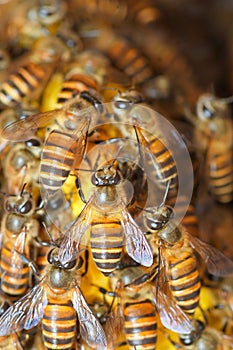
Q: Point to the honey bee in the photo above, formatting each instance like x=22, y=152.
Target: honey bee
x=159, y=160
x=138, y=307
x=66, y=141
x=18, y=228
x=178, y=263
x=204, y=337
x=125, y=56
x=106, y=213
x=213, y=129
x=30, y=75
x=58, y=302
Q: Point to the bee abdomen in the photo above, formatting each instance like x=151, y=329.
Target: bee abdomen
x=184, y=281
x=140, y=324
x=15, y=277
x=163, y=156
x=221, y=177
x=21, y=84
x=106, y=245
x=58, y=159
x=59, y=326
x=130, y=60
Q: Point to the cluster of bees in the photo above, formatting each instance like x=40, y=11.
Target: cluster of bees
x=111, y=155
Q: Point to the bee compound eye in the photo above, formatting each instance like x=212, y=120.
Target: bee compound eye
x=70, y=264
x=26, y=207
x=33, y=143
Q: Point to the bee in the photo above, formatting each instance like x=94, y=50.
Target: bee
x=18, y=228
x=106, y=213
x=213, y=133
x=66, y=141
x=58, y=302
x=158, y=160
x=204, y=337
x=178, y=263
x=28, y=78
x=138, y=307
x=124, y=56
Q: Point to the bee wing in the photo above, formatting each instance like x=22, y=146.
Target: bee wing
x=90, y=328
x=18, y=247
x=23, y=130
x=171, y=315
x=25, y=313
x=114, y=327
x=69, y=246
x=217, y=263
x=136, y=243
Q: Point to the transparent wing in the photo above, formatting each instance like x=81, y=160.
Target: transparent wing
x=18, y=247
x=90, y=328
x=217, y=263
x=114, y=327
x=25, y=313
x=171, y=315
x=69, y=246
x=136, y=243
x=23, y=130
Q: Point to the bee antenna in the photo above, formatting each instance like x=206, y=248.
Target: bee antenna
x=80, y=169
x=4, y=193
x=49, y=234
x=117, y=154
x=143, y=209
x=227, y=99
x=165, y=194
x=23, y=188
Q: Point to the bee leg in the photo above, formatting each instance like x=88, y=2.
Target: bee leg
x=80, y=191
x=81, y=262
x=203, y=314
x=29, y=262
x=86, y=262
x=175, y=344
x=105, y=292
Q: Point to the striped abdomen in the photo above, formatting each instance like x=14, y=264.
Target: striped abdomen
x=140, y=324
x=130, y=60
x=163, y=164
x=22, y=83
x=184, y=281
x=15, y=273
x=73, y=86
x=221, y=176
x=57, y=160
x=106, y=245
x=59, y=326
